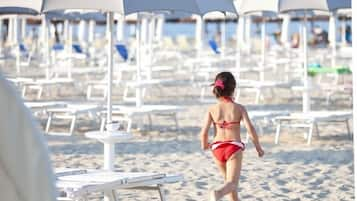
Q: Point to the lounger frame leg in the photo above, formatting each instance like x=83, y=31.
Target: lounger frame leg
x=309, y=137
x=128, y=129
x=161, y=192
x=277, y=134
x=348, y=129
x=317, y=130
x=89, y=92
x=102, y=124
x=176, y=122
x=24, y=88
x=257, y=96
x=39, y=93
x=114, y=195
x=150, y=121
x=49, y=120
x=73, y=123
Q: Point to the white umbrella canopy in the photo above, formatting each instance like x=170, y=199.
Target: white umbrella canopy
x=251, y=6
x=326, y=5
x=132, y=6
x=20, y=6
x=200, y=7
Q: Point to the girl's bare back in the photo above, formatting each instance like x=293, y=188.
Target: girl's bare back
x=226, y=117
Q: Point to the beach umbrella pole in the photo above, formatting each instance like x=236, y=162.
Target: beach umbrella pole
x=263, y=35
x=17, y=43
x=120, y=29
x=333, y=39
x=247, y=28
x=240, y=27
x=223, y=36
x=285, y=30
x=199, y=34
x=150, y=45
x=343, y=31
x=306, y=96
x=138, y=60
x=108, y=147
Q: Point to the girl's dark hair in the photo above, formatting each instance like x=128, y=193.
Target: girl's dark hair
x=228, y=82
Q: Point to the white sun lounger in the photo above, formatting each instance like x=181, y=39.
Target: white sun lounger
x=310, y=120
x=147, y=83
x=126, y=113
x=256, y=86
x=41, y=106
x=78, y=184
x=70, y=111
x=40, y=84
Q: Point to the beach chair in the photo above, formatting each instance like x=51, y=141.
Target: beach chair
x=126, y=113
x=40, y=84
x=77, y=184
x=26, y=54
x=70, y=111
x=310, y=120
x=40, y=107
x=261, y=117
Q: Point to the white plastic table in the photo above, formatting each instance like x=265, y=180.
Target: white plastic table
x=109, y=137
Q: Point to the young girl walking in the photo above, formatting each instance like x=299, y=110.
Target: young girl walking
x=227, y=146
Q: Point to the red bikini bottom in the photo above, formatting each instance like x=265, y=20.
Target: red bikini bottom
x=223, y=150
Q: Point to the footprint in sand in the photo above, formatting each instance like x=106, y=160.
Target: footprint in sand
x=200, y=184
x=285, y=190
x=280, y=182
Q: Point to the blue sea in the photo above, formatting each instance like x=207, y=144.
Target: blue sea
x=188, y=29
x=172, y=29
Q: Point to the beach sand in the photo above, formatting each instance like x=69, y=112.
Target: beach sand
x=291, y=170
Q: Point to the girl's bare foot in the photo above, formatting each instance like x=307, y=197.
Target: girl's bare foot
x=213, y=195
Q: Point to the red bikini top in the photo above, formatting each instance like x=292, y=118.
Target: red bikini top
x=226, y=124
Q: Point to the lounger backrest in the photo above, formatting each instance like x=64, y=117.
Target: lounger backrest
x=22, y=48
x=58, y=47
x=122, y=51
x=77, y=48
x=214, y=46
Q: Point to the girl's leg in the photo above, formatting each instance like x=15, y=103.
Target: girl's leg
x=233, y=167
x=222, y=167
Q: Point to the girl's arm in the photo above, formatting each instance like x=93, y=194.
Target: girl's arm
x=251, y=130
x=204, y=131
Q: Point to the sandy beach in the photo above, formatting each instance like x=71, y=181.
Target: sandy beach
x=291, y=170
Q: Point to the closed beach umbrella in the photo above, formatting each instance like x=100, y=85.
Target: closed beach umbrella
x=25, y=169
